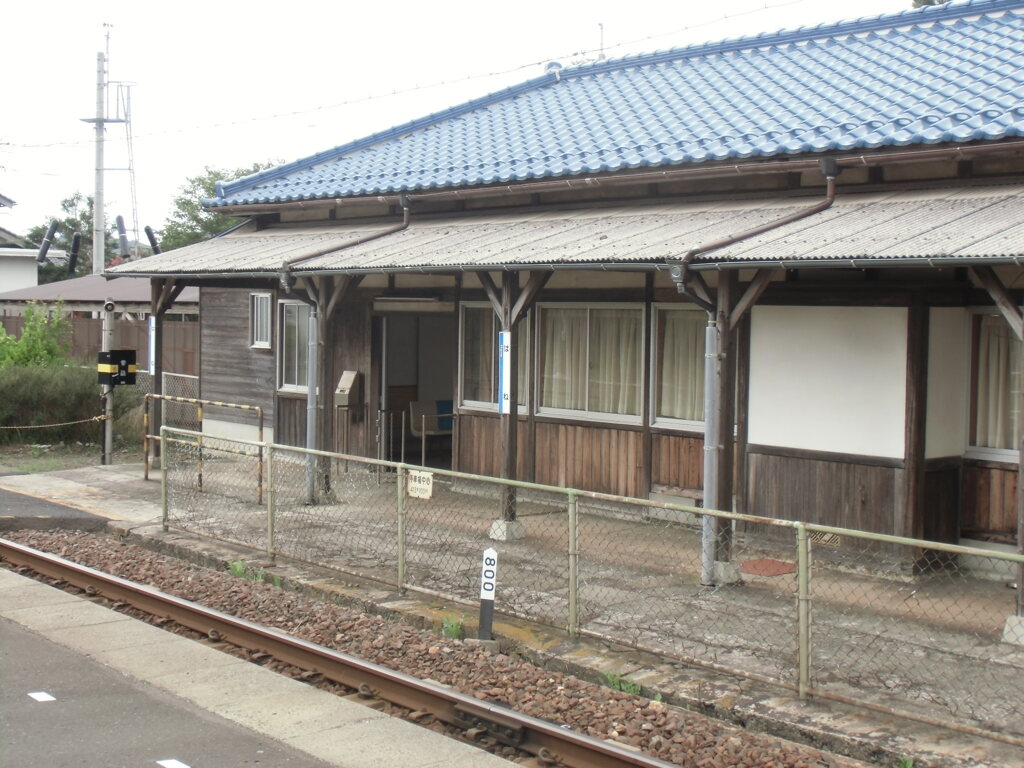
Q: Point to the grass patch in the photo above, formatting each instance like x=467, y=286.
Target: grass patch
x=243, y=570
x=453, y=628
x=620, y=683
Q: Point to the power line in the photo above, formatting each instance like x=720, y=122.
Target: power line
x=580, y=56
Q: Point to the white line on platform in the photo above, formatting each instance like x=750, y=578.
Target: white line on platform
x=171, y=763
x=42, y=696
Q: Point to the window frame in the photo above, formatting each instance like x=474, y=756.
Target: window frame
x=282, y=385
x=971, y=451
x=669, y=422
x=586, y=414
x=255, y=300
x=491, y=406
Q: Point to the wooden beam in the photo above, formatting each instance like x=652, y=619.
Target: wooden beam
x=910, y=514
x=750, y=296
x=492, y=291
x=534, y=284
x=1001, y=296
x=701, y=290
x=510, y=421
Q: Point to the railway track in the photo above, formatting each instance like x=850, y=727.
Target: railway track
x=549, y=742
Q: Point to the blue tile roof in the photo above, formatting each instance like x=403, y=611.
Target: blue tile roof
x=949, y=73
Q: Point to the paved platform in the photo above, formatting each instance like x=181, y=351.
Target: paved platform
x=132, y=506
x=84, y=685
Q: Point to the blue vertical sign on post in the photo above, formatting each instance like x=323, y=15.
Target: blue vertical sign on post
x=504, y=372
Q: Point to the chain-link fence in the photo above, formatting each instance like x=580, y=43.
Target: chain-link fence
x=918, y=627
x=175, y=413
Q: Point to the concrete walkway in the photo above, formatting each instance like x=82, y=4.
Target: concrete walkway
x=176, y=702
x=132, y=505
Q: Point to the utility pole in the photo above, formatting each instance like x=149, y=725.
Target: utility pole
x=99, y=234
x=98, y=223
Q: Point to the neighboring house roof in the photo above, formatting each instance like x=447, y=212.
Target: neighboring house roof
x=866, y=229
x=89, y=293
x=10, y=240
x=948, y=73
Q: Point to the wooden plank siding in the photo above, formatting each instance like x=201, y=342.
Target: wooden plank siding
x=479, y=441
x=819, y=490
x=942, y=499
x=290, y=422
x=677, y=461
x=597, y=458
x=232, y=371
x=180, y=345
x=990, y=499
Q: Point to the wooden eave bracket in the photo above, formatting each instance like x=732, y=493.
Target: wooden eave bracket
x=534, y=284
x=491, y=290
x=750, y=296
x=1001, y=296
x=169, y=291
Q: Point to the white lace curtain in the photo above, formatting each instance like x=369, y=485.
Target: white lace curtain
x=680, y=355
x=479, y=356
x=998, y=385
x=591, y=359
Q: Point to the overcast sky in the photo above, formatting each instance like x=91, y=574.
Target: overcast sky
x=226, y=84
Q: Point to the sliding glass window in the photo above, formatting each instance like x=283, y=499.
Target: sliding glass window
x=590, y=361
x=679, y=366
x=480, y=359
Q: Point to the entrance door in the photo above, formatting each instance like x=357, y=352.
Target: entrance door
x=417, y=387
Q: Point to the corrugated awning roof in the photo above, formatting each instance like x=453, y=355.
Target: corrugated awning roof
x=93, y=289
x=964, y=223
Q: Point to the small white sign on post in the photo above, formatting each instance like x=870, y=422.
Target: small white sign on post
x=420, y=484
x=504, y=372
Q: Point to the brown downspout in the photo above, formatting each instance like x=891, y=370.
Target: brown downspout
x=719, y=407
x=288, y=279
x=680, y=272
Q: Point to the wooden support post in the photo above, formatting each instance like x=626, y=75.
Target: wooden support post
x=911, y=513
x=156, y=418
x=1014, y=317
x=725, y=403
x=163, y=293
x=509, y=421
x=510, y=305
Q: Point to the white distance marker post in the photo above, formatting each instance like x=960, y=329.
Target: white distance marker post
x=488, y=582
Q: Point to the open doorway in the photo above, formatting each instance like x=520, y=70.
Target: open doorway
x=418, y=363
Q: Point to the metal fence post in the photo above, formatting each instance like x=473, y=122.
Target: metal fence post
x=164, y=513
x=401, y=529
x=574, y=569
x=200, y=442
x=803, y=568
x=271, y=499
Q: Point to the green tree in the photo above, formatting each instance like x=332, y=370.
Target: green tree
x=45, y=338
x=189, y=222
x=76, y=216
x=919, y=3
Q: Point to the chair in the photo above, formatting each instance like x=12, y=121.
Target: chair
x=429, y=419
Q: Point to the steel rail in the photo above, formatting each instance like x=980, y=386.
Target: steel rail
x=548, y=741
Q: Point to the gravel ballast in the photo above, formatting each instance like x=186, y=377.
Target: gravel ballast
x=669, y=733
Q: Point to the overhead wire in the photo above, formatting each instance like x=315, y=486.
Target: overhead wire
x=579, y=57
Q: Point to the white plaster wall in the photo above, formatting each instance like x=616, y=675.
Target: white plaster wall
x=230, y=430
x=829, y=379
x=17, y=270
x=948, y=382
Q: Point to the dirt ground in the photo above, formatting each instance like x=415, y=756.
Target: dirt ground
x=28, y=458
